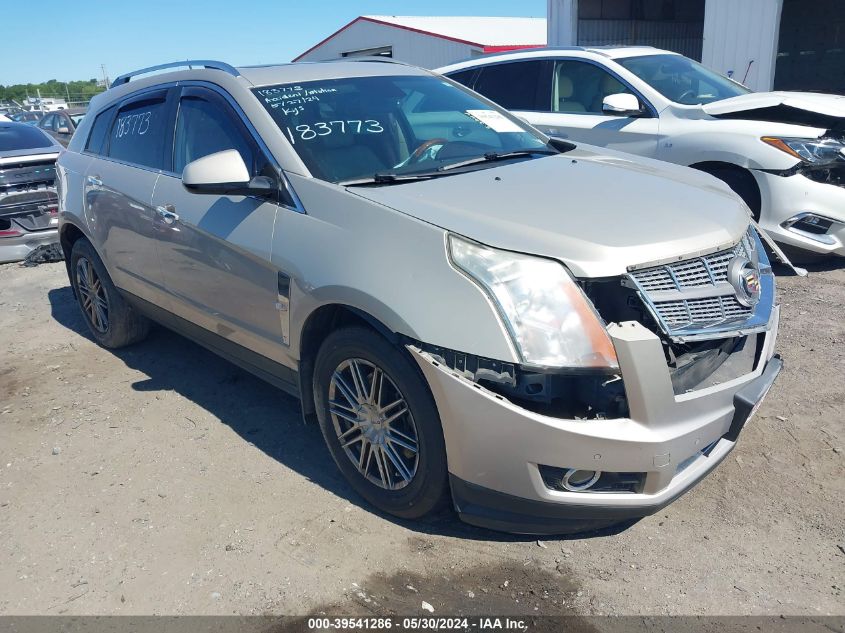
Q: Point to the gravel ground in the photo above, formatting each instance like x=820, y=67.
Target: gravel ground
x=161, y=479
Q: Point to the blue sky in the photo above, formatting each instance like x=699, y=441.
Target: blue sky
x=128, y=35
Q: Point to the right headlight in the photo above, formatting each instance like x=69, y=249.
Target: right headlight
x=813, y=151
x=549, y=319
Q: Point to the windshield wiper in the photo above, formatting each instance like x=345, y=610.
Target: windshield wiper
x=388, y=178
x=494, y=156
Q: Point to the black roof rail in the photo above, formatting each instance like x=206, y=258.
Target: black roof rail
x=188, y=63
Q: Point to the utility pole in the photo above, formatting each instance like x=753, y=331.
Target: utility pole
x=105, y=76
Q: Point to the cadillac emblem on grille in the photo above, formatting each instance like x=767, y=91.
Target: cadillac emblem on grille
x=704, y=296
x=746, y=281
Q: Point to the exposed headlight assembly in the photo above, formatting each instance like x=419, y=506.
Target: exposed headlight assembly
x=550, y=320
x=813, y=151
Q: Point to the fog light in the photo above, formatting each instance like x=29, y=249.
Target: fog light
x=577, y=480
x=812, y=226
x=586, y=480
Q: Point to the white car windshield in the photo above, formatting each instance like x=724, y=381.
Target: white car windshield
x=356, y=128
x=682, y=80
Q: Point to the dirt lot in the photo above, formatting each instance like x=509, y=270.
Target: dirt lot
x=161, y=479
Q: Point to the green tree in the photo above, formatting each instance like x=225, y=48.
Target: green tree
x=75, y=90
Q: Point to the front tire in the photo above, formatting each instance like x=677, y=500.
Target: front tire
x=112, y=321
x=380, y=423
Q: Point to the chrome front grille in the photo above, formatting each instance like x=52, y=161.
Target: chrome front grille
x=709, y=270
x=694, y=297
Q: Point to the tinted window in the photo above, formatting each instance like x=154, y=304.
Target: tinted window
x=582, y=87
x=21, y=136
x=139, y=132
x=100, y=131
x=515, y=85
x=203, y=128
x=463, y=77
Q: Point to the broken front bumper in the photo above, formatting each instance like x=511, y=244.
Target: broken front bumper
x=495, y=448
x=789, y=201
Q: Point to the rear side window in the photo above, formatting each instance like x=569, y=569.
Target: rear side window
x=463, y=77
x=138, y=134
x=100, y=132
x=516, y=85
x=22, y=136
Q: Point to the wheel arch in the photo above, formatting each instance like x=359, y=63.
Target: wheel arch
x=318, y=325
x=69, y=234
x=740, y=179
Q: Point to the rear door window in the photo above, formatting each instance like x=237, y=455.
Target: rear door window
x=523, y=85
x=139, y=134
x=464, y=77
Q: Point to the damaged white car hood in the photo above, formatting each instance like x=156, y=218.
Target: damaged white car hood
x=597, y=212
x=824, y=104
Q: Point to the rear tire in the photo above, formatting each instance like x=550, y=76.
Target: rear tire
x=366, y=431
x=111, y=320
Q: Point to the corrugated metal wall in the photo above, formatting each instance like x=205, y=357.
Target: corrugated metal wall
x=811, y=51
x=682, y=37
x=415, y=48
x=562, y=22
x=741, y=37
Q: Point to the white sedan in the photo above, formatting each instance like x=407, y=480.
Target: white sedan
x=782, y=152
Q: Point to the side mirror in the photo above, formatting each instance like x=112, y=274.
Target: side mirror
x=63, y=130
x=224, y=173
x=622, y=104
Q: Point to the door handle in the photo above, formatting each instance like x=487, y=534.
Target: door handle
x=167, y=213
x=95, y=181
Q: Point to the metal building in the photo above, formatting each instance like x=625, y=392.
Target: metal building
x=765, y=44
x=428, y=41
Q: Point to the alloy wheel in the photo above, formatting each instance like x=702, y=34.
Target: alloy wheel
x=92, y=295
x=374, y=424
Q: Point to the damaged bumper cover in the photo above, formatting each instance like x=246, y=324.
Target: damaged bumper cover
x=496, y=450
x=803, y=211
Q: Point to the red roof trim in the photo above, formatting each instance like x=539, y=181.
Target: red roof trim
x=486, y=49
x=510, y=47
x=324, y=40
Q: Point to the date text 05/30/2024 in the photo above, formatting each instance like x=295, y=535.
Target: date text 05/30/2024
x=417, y=624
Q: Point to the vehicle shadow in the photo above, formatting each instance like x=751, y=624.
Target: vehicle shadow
x=262, y=415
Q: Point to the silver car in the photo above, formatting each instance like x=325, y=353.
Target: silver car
x=28, y=199
x=553, y=337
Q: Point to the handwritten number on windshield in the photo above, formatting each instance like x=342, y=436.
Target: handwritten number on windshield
x=308, y=132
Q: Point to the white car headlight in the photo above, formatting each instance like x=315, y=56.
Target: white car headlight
x=550, y=320
x=813, y=151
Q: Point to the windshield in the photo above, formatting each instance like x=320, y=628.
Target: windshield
x=77, y=118
x=19, y=136
x=682, y=80
x=355, y=127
